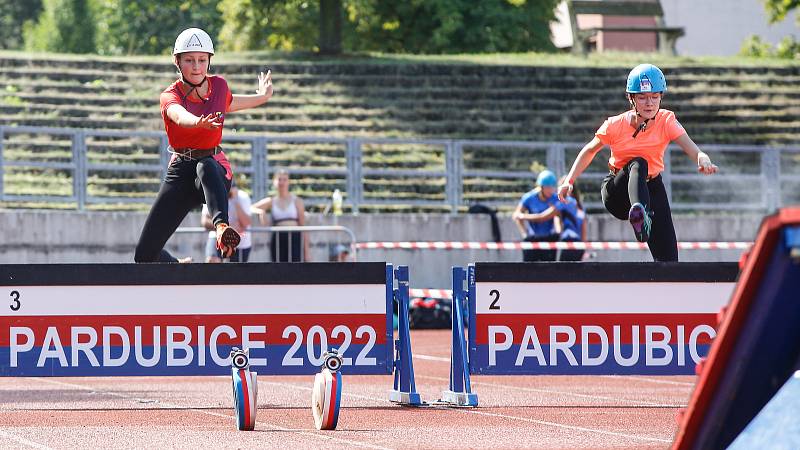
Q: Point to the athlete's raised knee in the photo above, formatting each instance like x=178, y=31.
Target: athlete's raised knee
x=639, y=163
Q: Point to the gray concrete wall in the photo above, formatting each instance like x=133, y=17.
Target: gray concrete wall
x=60, y=237
x=719, y=27
x=713, y=27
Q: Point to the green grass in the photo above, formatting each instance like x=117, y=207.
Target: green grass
x=605, y=59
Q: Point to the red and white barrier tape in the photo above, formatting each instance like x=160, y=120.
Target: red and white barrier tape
x=545, y=245
x=430, y=293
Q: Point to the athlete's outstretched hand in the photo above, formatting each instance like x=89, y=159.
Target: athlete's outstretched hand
x=265, y=84
x=564, y=190
x=704, y=165
x=209, y=121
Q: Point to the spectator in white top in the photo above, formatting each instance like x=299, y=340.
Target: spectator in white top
x=239, y=216
x=286, y=209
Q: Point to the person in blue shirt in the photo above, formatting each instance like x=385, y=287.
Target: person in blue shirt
x=536, y=216
x=573, y=224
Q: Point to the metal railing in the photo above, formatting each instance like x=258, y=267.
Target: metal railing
x=351, y=243
x=759, y=178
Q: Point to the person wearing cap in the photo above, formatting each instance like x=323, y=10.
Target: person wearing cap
x=339, y=253
x=537, y=217
x=193, y=109
x=633, y=189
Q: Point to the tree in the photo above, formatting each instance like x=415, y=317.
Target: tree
x=326, y=26
x=269, y=24
x=13, y=15
x=409, y=26
x=455, y=26
x=777, y=9
x=330, y=27
x=64, y=26
x=150, y=26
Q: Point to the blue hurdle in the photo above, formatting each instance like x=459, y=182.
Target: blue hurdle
x=580, y=319
x=460, y=392
x=405, y=390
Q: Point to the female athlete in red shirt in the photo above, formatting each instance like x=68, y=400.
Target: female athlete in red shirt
x=633, y=189
x=193, y=109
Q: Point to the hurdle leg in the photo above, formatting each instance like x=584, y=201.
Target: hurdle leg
x=460, y=392
x=405, y=389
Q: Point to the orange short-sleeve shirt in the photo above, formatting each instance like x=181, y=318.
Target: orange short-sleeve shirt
x=617, y=133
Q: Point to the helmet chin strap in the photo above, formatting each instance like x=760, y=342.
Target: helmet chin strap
x=194, y=87
x=642, y=126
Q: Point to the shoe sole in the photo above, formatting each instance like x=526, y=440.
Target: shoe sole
x=229, y=239
x=636, y=217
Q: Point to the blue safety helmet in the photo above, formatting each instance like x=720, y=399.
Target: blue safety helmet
x=646, y=78
x=546, y=178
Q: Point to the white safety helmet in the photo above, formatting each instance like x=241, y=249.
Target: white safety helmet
x=193, y=40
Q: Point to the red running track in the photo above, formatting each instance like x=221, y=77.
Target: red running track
x=196, y=412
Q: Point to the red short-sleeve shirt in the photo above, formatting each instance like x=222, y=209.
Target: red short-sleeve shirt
x=218, y=101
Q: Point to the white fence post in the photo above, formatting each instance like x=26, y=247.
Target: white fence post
x=2, y=169
x=771, y=178
x=79, y=176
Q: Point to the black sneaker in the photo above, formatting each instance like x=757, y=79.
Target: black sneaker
x=640, y=221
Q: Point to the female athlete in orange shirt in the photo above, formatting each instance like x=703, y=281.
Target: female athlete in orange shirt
x=633, y=189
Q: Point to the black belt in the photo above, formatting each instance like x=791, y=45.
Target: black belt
x=614, y=171
x=196, y=153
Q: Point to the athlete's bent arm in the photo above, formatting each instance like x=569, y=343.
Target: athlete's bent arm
x=184, y=118
x=704, y=164
x=261, y=207
x=543, y=216
x=558, y=225
x=263, y=94
x=582, y=161
x=515, y=216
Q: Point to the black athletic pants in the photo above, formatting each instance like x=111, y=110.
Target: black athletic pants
x=571, y=255
x=188, y=184
x=538, y=254
x=630, y=186
x=286, y=246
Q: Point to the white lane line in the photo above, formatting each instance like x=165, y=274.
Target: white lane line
x=99, y=391
x=628, y=377
x=506, y=416
x=305, y=433
x=469, y=411
x=22, y=440
x=211, y=413
x=305, y=388
x=561, y=425
x=553, y=391
x=651, y=380
x=431, y=358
